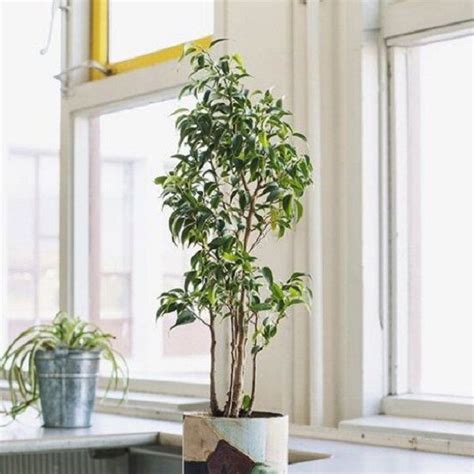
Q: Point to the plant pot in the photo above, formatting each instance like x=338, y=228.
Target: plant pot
x=255, y=445
x=67, y=385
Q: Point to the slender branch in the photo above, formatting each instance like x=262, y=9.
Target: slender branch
x=254, y=371
x=232, y=366
x=203, y=321
x=241, y=324
x=263, y=233
x=214, y=402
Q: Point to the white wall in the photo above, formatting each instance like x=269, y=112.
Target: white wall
x=326, y=366
x=264, y=33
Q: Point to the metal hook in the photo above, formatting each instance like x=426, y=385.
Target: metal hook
x=89, y=64
x=63, y=76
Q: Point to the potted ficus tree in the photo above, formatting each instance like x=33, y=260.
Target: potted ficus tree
x=238, y=176
x=57, y=365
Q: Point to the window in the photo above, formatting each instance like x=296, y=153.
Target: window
x=152, y=26
x=128, y=35
x=33, y=239
x=132, y=257
x=432, y=155
x=119, y=255
x=29, y=194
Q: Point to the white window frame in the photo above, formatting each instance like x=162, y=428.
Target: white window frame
x=84, y=99
x=405, y=24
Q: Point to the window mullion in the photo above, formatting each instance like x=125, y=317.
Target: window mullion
x=398, y=221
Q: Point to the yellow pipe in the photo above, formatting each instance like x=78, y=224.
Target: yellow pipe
x=146, y=60
x=99, y=37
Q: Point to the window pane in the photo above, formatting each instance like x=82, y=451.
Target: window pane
x=131, y=240
x=48, y=277
x=115, y=296
x=21, y=172
x=116, y=219
x=21, y=296
x=440, y=217
x=137, y=28
x=48, y=206
x=30, y=99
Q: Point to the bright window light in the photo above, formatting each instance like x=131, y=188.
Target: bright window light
x=440, y=156
x=137, y=28
x=133, y=258
x=30, y=99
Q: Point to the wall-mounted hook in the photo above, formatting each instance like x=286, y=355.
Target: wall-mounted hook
x=63, y=76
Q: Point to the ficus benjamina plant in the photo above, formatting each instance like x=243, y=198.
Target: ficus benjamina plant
x=238, y=176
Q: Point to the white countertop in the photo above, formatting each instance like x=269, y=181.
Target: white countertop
x=113, y=431
x=359, y=458
x=107, y=431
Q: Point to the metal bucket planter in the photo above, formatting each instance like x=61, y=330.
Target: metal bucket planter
x=255, y=445
x=67, y=385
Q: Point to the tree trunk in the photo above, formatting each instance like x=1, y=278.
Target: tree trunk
x=254, y=382
x=214, y=403
x=232, y=367
x=239, y=374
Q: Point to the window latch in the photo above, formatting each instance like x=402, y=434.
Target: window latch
x=63, y=76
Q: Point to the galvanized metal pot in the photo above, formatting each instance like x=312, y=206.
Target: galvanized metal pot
x=67, y=386
x=255, y=445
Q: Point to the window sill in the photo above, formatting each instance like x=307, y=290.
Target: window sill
x=142, y=404
x=450, y=431
x=149, y=405
x=432, y=407
x=192, y=387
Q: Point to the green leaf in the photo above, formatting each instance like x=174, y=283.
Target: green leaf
x=178, y=111
x=277, y=291
x=228, y=257
x=263, y=139
x=160, y=180
x=267, y=273
x=256, y=349
x=236, y=144
x=287, y=204
x=184, y=317
x=225, y=67
x=296, y=301
x=211, y=294
x=243, y=200
x=274, y=194
x=190, y=276
x=299, y=275
x=217, y=242
x=300, y=135
x=238, y=59
x=217, y=41
x=257, y=307
x=246, y=403
x=299, y=210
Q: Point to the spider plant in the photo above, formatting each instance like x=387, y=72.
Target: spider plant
x=65, y=332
